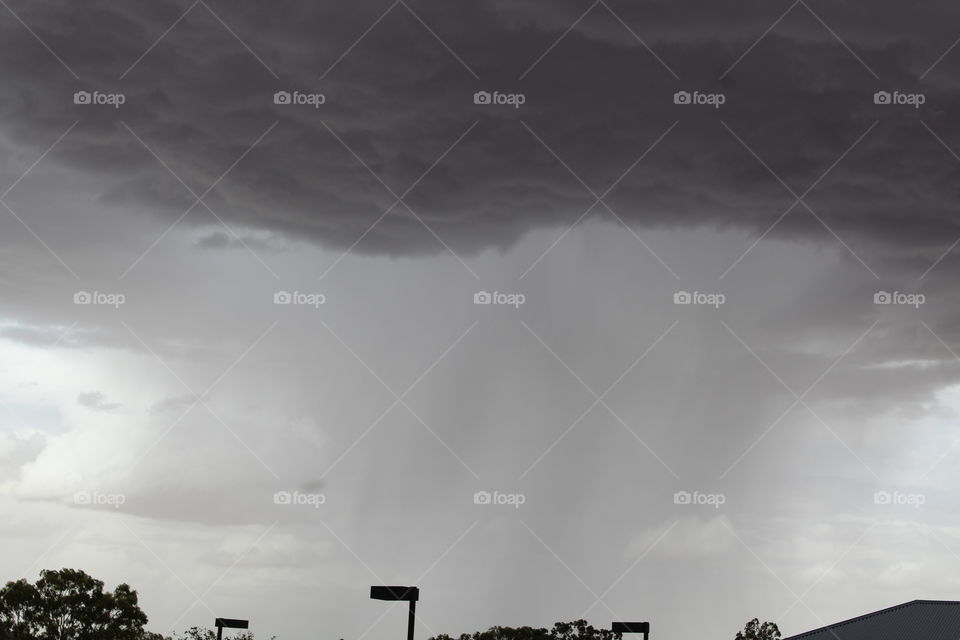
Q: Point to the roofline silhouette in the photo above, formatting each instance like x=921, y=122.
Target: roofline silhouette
x=870, y=615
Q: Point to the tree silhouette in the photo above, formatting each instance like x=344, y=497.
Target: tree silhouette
x=756, y=631
x=576, y=630
x=196, y=633
x=18, y=608
x=69, y=605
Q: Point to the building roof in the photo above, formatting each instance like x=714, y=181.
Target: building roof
x=914, y=620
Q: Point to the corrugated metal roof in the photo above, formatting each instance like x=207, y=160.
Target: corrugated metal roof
x=915, y=620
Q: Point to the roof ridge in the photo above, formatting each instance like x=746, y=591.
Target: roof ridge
x=870, y=615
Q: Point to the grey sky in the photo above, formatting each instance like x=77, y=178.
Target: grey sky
x=144, y=437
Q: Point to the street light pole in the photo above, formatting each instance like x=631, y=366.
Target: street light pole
x=410, y=618
x=631, y=627
x=410, y=594
x=230, y=623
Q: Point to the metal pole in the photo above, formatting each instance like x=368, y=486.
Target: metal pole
x=410, y=619
x=219, y=632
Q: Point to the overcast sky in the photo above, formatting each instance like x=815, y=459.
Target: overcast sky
x=288, y=289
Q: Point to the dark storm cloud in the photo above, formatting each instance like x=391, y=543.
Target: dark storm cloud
x=400, y=100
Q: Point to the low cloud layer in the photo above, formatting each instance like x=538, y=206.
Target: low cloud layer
x=399, y=98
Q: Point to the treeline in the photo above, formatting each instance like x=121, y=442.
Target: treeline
x=68, y=604
x=577, y=630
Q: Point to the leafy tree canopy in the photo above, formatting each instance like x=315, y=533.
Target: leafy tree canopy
x=68, y=604
x=576, y=630
x=756, y=631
